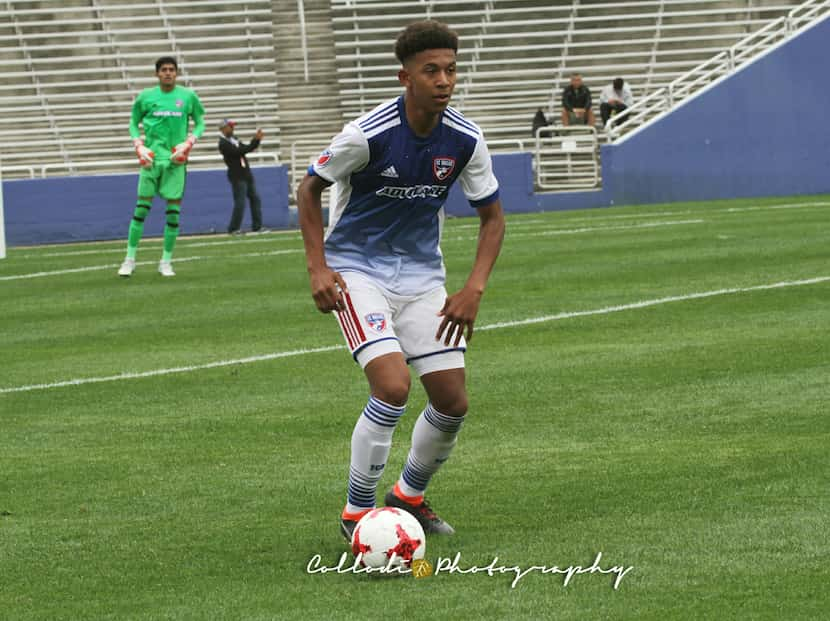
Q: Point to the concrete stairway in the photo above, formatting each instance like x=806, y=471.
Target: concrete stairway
x=309, y=107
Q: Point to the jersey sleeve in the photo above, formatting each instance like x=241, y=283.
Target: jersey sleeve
x=198, y=116
x=135, y=118
x=347, y=154
x=477, y=179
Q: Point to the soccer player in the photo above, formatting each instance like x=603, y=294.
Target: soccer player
x=380, y=269
x=164, y=112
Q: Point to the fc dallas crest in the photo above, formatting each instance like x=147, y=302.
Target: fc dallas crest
x=376, y=321
x=442, y=167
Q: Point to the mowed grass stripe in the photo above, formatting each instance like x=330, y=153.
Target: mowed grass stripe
x=494, y=326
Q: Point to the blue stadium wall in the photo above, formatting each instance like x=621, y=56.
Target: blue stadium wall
x=761, y=132
x=64, y=209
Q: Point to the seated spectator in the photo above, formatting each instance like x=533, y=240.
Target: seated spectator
x=613, y=100
x=576, y=103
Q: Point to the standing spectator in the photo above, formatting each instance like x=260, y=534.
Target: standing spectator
x=614, y=99
x=576, y=103
x=239, y=174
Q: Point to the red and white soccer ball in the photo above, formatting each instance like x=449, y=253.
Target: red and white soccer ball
x=386, y=532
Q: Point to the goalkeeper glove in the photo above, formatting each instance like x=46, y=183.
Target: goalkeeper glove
x=182, y=151
x=145, y=156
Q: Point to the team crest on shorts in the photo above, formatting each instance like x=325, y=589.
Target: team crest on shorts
x=376, y=321
x=325, y=158
x=442, y=167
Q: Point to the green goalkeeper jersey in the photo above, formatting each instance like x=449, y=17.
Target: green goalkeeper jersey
x=165, y=117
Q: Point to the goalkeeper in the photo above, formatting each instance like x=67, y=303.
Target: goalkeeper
x=164, y=112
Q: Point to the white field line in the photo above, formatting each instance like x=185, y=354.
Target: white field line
x=588, y=229
x=450, y=224
x=637, y=216
x=493, y=326
x=654, y=302
x=621, y=227
x=782, y=206
x=155, y=372
x=91, y=268
x=181, y=246
x=112, y=266
x=120, y=250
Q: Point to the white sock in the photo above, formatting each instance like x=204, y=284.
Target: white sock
x=371, y=441
x=433, y=437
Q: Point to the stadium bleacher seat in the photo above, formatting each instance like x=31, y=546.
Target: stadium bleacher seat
x=301, y=69
x=71, y=71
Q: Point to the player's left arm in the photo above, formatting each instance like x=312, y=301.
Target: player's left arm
x=460, y=309
x=198, y=116
x=481, y=188
x=181, y=152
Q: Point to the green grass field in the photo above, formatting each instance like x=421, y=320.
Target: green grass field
x=685, y=437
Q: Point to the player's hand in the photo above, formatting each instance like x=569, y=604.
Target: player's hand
x=259, y=134
x=145, y=156
x=182, y=150
x=459, y=313
x=327, y=289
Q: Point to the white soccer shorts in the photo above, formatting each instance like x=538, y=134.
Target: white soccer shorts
x=376, y=322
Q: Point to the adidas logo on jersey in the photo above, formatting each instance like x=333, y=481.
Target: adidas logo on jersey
x=390, y=172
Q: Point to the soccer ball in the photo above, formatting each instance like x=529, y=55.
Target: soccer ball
x=388, y=538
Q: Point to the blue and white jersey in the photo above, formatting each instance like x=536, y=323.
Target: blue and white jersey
x=390, y=188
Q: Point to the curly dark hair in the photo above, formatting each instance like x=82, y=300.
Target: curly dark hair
x=424, y=35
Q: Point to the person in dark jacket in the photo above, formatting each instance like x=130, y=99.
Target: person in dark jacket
x=239, y=174
x=576, y=103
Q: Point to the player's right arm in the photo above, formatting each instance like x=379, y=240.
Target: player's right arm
x=145, y=155
x=326, y=284
x=348, y=153
x=136, y=117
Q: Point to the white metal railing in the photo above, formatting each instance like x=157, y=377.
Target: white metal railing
x=720, y=65
x=527, y=44
x=507, y=144
x=303, y=154
x=129, y=165
x=303, y=37
x=40, y=95
x=566, y=158
x=560, y=71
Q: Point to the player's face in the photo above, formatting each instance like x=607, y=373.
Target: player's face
x=429, y=78
x=167, y=76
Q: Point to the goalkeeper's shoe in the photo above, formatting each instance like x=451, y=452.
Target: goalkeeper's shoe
x=181, y=151
x=166, y=268
x=127, y=267
x=422, y=512
x=145, y=155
